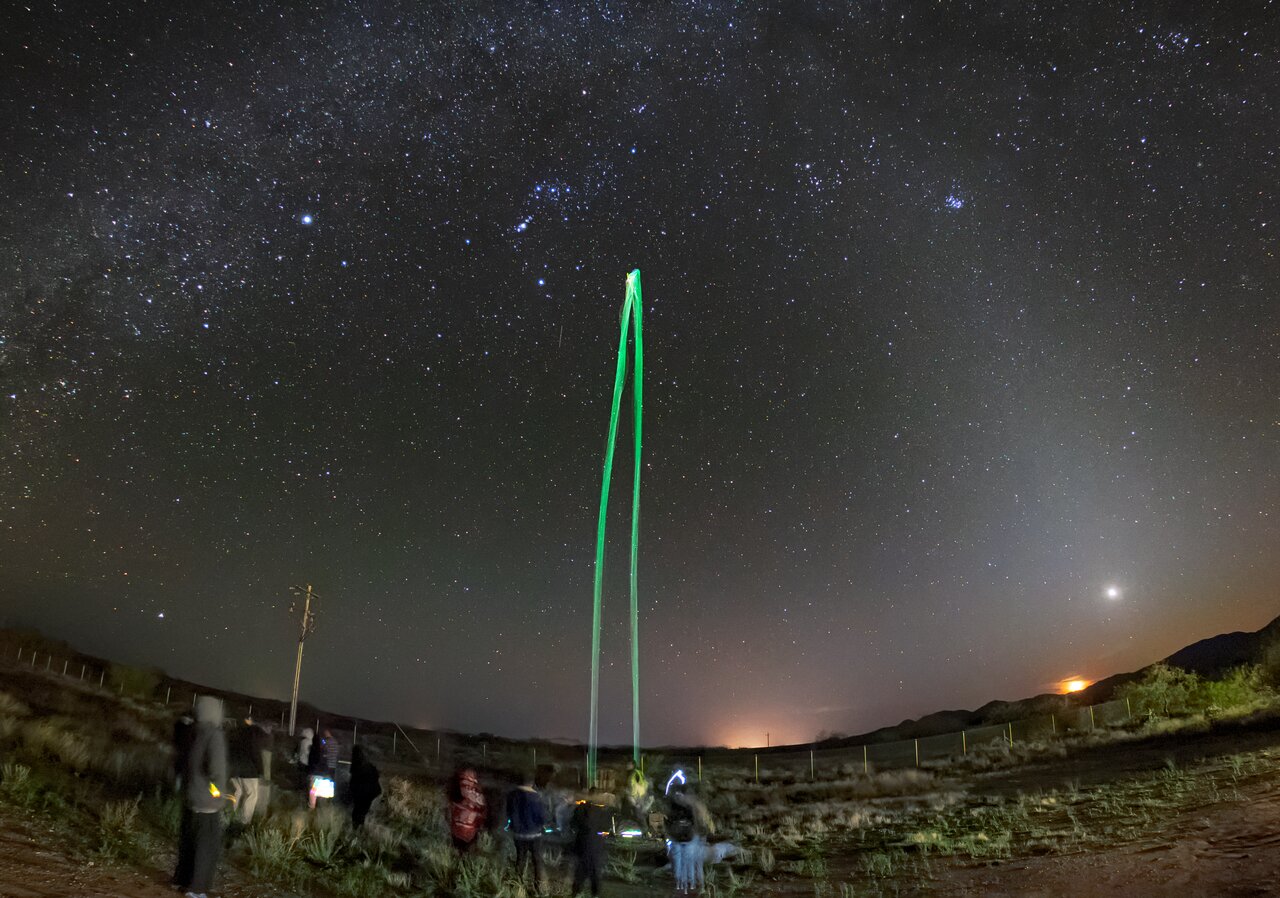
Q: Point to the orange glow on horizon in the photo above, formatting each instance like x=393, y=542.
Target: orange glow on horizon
x=1074, y=685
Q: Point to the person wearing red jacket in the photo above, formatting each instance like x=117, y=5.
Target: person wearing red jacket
x=466, y=809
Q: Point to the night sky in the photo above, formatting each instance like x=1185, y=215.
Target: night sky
x=957, y=316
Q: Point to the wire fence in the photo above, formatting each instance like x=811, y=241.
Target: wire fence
x=396, y=746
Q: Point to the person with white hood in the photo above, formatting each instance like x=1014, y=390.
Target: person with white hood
x=204, y=796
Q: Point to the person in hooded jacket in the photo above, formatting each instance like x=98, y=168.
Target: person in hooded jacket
x=466, y=809
x=364, y=786
x=204, y=797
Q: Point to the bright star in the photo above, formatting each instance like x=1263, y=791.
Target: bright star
x=1113, y=592
x=307, y=219
x=954, y=202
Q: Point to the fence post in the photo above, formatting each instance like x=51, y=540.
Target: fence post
x=282, y=718
x=48, y=662
x=1092, y=724
x=64, y=666
x=535, y=757
x=1011, y=734
x=167, y=690
x=19, y=653
x=757, y=768
x=102, y=675
x=82, y=667
x=812, y=775
x=33, y=659
x=964, y=743
x=395, y=737
x=864, y=759
x=1127, y=709
x=355, y=730
x=917, y=742
x=1053, y=722
x=699, y=768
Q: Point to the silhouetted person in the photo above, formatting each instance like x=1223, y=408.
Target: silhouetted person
x=184, y=731
x=364, y=785
x=466, y=809
x=247, y=749
x=322, y=764
x=687, y=826
x=526, y=818
x=305, y=740
x=204, y=796
x=591, y=821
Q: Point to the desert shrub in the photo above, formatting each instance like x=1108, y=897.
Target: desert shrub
x=364, y=880
x=272, y=850
x=116, y=828
x=11, y=707
x=1240, y=686
x=133, y=681
x=17, y=785
x=322, y=847
x=53, y=739
x=1164, y=691
x=134, y=766
x=440, y=861
x=622, y=864
x=414, y=807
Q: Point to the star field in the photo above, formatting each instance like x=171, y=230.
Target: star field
x=958, y=316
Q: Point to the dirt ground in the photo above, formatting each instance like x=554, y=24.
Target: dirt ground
x=1232, y=849
x=34, y=865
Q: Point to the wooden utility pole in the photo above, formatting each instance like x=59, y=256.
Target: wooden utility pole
x=308, y=625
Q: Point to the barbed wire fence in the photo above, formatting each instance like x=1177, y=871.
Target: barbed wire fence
x=438, y=751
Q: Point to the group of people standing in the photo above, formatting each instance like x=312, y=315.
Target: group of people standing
x=215, y=771
x=585, y=830
x=528, y=820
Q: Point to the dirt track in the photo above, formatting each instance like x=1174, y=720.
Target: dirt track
x=33, y=865
x=1231, y=849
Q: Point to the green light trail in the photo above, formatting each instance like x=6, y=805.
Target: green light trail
x=631, y=308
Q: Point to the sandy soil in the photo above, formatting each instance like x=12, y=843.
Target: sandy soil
x=33, y=865
x=1230, y=849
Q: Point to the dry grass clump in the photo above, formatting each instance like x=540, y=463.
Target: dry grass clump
x=11, y=707
x=53, y=738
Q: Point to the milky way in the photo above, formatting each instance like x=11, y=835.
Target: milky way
x=957, y=317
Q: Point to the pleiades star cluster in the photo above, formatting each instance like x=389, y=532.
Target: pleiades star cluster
x=961, y=325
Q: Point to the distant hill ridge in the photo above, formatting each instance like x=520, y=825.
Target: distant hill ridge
x=1208, y=657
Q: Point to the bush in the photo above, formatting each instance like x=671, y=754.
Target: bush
x=116, y=828
x=1164, y=692
x=1240, y=686
x=1171, y=691
x=133, y=681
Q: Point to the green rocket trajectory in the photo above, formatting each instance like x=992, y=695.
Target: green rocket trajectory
x=630, y=312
